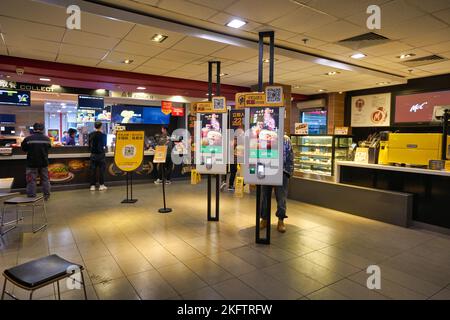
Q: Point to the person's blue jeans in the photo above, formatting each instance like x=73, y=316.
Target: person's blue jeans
x=280, y=195
x=31, y=176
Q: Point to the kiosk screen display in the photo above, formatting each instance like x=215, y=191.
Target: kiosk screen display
x=264, y=133
x=211, y=133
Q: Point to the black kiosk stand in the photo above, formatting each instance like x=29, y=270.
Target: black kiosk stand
x=160, y=158
x=210, y=93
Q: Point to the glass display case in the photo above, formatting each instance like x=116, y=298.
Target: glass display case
x=315, y=155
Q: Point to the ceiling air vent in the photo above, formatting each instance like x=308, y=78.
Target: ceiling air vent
x=363, y=41
x=423, y=61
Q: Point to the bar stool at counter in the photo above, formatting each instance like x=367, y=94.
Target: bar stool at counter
x=20, y=203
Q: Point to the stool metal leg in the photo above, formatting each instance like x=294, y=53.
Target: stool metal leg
x=31, y=294
x=43, y=214
x=4, y=289
x=3, y=224
x=84, y=285
x=59, y=292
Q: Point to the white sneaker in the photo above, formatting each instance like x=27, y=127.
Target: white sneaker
x=168, y=182
x=92, y=188
x=102, y=188
x=158, y=181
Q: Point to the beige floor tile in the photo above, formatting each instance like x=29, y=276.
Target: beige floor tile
x=269, y=287
x=327, y=294
x=389, y=289
x=444, y=294
x=208, y=271
x=206, y=293
x=314, y=271
x=347, y=257
x=79, y=294
x=293, y=279
x=235, y=289
x=181, y=278
x=253, y=257
x=92, y=249
x=183, y=251
x=150, y=285
x=159, y=257
x=273, y=252
x=117, y=289
x=356, y=291
x=331, y=263
x=103, y=269
x=132, y=263
x=232, y=263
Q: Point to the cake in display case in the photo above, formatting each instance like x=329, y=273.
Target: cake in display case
x=314, y=156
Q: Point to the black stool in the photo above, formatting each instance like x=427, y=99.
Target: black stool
x=23, y=202
x=39, y=273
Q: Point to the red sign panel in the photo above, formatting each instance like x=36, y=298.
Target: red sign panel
x=166, y=107
x=419, y=107
x=178, y=111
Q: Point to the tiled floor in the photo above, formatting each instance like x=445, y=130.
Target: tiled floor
x=133, y=252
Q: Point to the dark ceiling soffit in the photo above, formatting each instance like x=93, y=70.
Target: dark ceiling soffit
x=131, y=15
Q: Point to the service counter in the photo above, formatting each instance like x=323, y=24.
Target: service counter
x=69, y=168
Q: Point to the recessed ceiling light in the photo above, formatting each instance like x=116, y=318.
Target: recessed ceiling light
x=358, y=56
x=340, y=92
x=223, y=74
x=332, y=73
x=8, y=76
x=383, y=83
x=141, y=88
x=268, y=60
x=406, y=56
x=208, y=94
x=321, y=90
x=45, y=79
x=128, y=61
x=159, y=38
x=236, y=23
x=296, y=87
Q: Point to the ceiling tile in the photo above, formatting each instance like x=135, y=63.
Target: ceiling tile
x=294, y=65
x=437, y=68
x=392, y=48
x=253, y=10
x=101, y=25
x=418, y=53
x=119, y=57
x=335, y=49
x=180, y=74
x=430, y=5
x=436, y=37
x=77, y=60
x=344, y=8
x=17, y=27
x=302, y=20
x=31, y=54
x=161, y=63
x=3, y=50
x=177, y=55
x=83, y=52
x=192, y=68
x=148, y=2
x=115, y=66
x=280, y=34
x=444, y=15
x=236, y=53
x=428, y=24
x=139, y=49
x=214, y=4
x=198, y=46
x=222, y=18
x=151, y=70
x=34, y=11
x=335, y=31
x=310, y=41
x=29, y=44
x=241, y=67
x=77, y=37
x=187, y=8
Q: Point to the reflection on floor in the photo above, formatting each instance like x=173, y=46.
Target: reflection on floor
x=133, y=252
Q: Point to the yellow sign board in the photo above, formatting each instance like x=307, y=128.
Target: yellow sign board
x=272, y=97
x=217, y=105
x=195, y=177
x=239, y=187
x=160, y=154
x=129, y=151
x=240, y=100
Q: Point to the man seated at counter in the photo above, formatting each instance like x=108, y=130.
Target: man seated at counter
x=36, y=146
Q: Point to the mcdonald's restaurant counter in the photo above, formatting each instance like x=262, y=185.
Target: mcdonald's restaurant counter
x=69, y=168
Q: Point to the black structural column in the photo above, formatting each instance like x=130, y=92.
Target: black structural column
x=271, y=36
x=210, y=94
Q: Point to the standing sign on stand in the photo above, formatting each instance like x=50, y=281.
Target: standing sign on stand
x=128, y=156
x=160, y=158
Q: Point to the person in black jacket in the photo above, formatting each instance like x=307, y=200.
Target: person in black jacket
x=97, y=145
x=164, y=140
x=36, y=146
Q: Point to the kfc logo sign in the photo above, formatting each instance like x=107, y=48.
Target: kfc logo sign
x=417, y=107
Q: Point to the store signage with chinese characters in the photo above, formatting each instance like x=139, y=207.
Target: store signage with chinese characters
x=341, y=131
x=272, y=97
x=166, y=107
x=178, y=111
x=160, y=154
x=301, y=128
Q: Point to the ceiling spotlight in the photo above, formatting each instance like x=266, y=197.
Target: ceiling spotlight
x=45, y=79
x=127, y=61
x=358, y=56
x=159, y=38
x=296, y=87
x=208, y=94
x=8, y=76
x=223, y=74
x=236, y=23
x=141, y=88
x=406, y=56
x=332, y=73
x=268, y=60
x=321, y=90
x=383, y=83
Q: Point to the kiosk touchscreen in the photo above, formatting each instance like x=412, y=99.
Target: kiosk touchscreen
x=211, y=143
x=264, y=146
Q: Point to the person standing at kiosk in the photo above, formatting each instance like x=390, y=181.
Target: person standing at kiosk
x=97, y=145
x=164, y=140
x=280, y=191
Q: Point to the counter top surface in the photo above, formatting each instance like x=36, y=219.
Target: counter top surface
x=392, y=168
x=65, y=155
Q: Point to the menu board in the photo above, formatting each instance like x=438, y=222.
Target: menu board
x=15, y=97
x=371, y=110
x=421, y=107
x=211, y=133
x=91, y=102
x=237, y=119
x=264, y=133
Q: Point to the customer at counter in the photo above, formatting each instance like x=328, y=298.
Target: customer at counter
x=64, y=138
x=70, y=141
x=164, y=140
x=97, y=146
x=36, y=146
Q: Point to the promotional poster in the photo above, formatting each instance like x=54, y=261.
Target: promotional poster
x=264, y=133
x=211, y=133
x=371, y=110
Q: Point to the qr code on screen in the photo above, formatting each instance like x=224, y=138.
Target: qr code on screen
x=274, y=95
x=218, y=104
